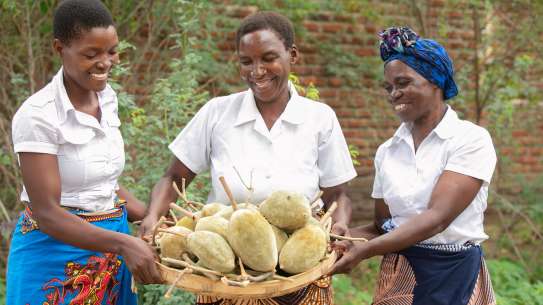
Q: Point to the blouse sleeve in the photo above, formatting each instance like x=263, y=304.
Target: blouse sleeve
x=33, y=132
x=474, y=157
x=334, y=161
x=193, y=144
x=377, y=192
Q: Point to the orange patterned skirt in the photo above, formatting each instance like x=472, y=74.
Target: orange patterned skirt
x=397, y=282
x=317, y=293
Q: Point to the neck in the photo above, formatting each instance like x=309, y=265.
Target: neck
x=424, y=125
x=80, y=98
x=271, y=110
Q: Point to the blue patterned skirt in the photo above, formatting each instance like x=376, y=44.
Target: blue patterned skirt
x=44, y=271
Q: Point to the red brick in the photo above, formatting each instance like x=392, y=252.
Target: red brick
x=365, y=52
x=312, y=26
x=335, y=82
x=332, y=27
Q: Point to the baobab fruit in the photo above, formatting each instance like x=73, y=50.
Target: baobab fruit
x=211, y=209
x=174, y=245
x=212, y=250
x=213, y=223
x=303, y=250
x=286, y=210
x=280, y=237
x=188, y=221
x=227, y=211
x=253, y=240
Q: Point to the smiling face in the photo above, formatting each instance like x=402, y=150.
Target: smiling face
x=88, y=59
x=265, y=65
x=411, y=95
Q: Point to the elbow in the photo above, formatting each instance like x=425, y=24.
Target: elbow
x=438, y=224
x=47, y=220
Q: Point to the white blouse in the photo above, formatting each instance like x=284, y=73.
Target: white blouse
x=304, y=149
x=405, y=179
x=90, y=153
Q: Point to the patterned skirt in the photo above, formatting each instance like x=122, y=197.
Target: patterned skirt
x=317, y=293
x=44, y=271
x=397, y=281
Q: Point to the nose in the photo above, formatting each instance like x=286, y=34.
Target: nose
x=258, y=70
x=395, y=94
x=106, y=62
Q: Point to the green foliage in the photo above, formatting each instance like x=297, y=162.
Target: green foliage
x=346, y=294
x=154, y=295
x=511, y=285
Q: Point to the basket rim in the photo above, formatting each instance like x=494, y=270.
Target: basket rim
x=202, y=285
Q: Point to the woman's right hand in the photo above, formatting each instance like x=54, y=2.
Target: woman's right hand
x=146, y=226
x=140, y=259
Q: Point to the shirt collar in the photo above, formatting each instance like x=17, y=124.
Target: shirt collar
x=444, y=129
x=293, y=113
x=448, y=125
x=62, y=101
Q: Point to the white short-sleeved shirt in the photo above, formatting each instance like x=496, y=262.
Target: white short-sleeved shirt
x=405, y=180
x=304, y=149
x=90, y=153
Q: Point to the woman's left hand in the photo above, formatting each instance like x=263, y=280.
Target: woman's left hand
x=350, y=254
x=340, y=228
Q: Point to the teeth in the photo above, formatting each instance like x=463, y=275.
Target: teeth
x=261, y=84
x=102, y=76
x=400, y=107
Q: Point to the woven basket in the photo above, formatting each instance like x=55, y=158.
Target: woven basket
x=260, y=290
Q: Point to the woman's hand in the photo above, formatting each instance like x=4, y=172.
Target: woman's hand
x=340, y=228
x=146, y=226
x=350, y=255
x=140, y=260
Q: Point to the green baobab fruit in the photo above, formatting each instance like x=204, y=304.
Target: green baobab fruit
x=303, y=250
x=213, y=223
x=253, y=240
x=212, y=251
x=212, y=208
x=280, y=237
x=227, y=211
x=173, y=245
x=286, y=210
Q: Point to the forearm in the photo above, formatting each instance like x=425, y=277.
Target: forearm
x=368, y=231
x=161, y=196
x=417, y=229
x=344, y=210
x=134, y=207
x=70, y=229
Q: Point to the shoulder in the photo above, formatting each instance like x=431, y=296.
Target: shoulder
x=220, y=104
x=316, y=108
x=469, y=132
x=40, y=106
x=382, y=149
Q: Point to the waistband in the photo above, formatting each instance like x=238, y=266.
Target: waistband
x=28, y=223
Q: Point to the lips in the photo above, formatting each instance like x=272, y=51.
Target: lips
x=99, y=76
x=263, y=84
x=400, y=107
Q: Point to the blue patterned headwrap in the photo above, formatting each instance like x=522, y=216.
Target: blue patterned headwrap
x=425, y=56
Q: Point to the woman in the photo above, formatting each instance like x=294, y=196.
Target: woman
x=430, y=187
x=273, y=137
x=71, y=243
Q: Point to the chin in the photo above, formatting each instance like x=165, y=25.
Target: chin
x=97, y=87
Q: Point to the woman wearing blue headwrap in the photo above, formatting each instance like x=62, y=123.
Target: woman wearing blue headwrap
x=430, y=188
